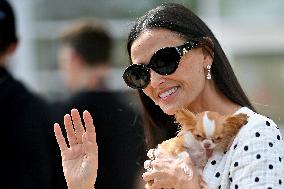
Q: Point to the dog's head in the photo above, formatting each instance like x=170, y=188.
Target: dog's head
x=210, y=128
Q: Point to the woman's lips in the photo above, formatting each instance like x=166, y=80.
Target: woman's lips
x=164, y=95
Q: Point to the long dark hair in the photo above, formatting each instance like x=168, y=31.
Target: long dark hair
x=177, y=18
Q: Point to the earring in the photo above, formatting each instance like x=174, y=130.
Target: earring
x=208, y=76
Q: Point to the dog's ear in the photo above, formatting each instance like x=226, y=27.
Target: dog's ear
x=236, y=121
x=186, y=119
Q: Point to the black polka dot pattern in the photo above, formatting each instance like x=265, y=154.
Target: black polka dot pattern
x=213, y=162
x=236, y=164
x=217, y=175
x=256, y=147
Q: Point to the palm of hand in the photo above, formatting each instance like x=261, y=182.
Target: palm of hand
x=77, y=165
x=80, y=160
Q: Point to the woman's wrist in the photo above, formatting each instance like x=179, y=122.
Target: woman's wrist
x=82, y=187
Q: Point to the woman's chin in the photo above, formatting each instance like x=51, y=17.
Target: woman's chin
x=169, y=110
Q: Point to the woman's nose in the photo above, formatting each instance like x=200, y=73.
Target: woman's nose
x=156, y=79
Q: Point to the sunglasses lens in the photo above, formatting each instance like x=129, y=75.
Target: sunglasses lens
x=165, y=61
x=136, y=76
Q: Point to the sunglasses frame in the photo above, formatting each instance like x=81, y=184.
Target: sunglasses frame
x=181, y=50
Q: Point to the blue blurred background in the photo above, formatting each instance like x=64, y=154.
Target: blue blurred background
x=251, y=33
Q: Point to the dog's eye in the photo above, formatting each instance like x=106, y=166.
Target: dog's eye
x=198, y=136
x=218, y=138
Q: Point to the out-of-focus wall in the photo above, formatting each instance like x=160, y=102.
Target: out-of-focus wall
x=251, y=33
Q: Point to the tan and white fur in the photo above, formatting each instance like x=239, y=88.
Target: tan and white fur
x=175, y=148
x=213, y=130
x=183, y=142
x=200, y=134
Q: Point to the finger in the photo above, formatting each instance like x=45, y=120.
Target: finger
x=79, y=128
x=148, y=165
x=59, y=138
x=72, y=139
x=160, y=153
x=147, y=177
x=156, y=153
x=91, y=148
x=90, y=128
x=151, y=153
x=152, y=175
x=161, y=164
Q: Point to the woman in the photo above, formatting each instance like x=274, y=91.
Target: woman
x=178, y=63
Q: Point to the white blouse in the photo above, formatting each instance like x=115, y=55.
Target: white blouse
x=255, y=160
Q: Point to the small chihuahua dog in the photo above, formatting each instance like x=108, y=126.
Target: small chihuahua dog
x=212, y=130
x=199, y=135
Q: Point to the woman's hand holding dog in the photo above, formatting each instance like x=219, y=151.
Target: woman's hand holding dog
x=165, y=172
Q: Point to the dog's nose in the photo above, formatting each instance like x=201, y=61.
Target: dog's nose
x=207, y=145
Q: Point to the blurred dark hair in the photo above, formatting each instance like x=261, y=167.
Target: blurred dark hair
x=8, y=32
x=177, y=18
x=90, y=40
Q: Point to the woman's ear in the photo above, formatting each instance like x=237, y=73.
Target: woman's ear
x=207, y=46
x=208, y=59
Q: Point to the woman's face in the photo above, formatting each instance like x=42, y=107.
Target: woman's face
x=181, y=88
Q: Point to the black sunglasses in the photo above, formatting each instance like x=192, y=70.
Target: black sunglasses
x=164, y=62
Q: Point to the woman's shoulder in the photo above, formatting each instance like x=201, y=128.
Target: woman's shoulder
x=258, y=126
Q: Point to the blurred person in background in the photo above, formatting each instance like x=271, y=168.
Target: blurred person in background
x=27, y=133
x=84, y=60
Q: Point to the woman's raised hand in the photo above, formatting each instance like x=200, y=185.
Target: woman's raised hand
x=80, y=158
